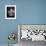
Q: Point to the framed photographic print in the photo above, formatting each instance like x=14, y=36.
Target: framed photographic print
x=10, y=11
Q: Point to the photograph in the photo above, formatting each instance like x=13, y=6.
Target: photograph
x=10, y=11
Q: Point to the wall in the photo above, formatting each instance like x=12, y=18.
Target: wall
x=6, y=26
x=31, y=11
x=28, y=12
